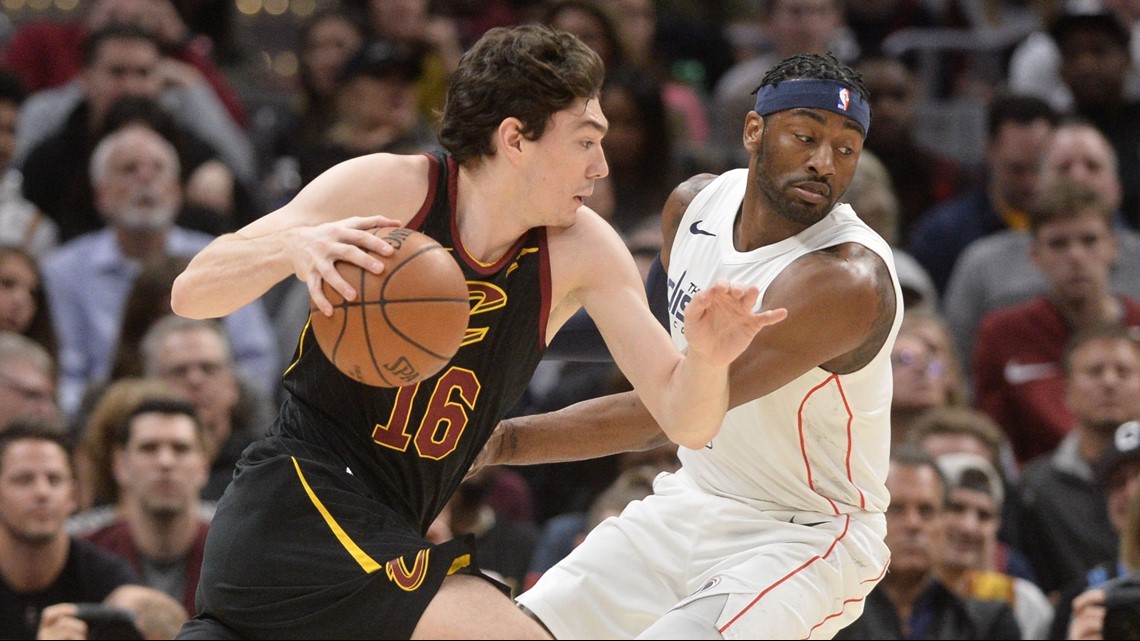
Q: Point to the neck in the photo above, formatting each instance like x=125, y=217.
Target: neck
x=1090, y=310
x=486, y=212
x=957, y=578
x=903, y=591
x=32, y=567
x=141, y=245
x=162, y=537
x=1092, y=443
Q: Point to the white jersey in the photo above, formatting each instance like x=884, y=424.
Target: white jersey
x=821, y=443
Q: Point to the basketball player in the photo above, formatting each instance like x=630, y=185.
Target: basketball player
x=321, y=533
x=773, y=527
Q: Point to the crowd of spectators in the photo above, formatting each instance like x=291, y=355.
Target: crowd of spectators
x=1002, y=165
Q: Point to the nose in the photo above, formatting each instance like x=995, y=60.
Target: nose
x=822, y=161
x=599, y=168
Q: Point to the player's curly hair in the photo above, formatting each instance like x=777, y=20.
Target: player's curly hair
x=817, y=66
x=529, y=72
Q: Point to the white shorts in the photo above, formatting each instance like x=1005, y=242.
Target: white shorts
x=783, y=580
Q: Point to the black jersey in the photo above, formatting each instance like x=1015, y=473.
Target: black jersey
x=413, y=445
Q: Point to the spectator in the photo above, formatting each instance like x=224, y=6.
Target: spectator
x=972, y=518
x=147, y=301
x=1018, y=129
x=195, y=357
x=1018, y=352
x=872, y=196
x=432, y=37
x=922, y=178
x=58, y=130
x=135, y=174
x=160, y=466
x=911, y=602
x=98, y=492
x=40, y=565
x=375, y=111
x=1118, y=472
x=963, y=430
x=997, y=271
x=21, y=223
x=1094, y=65
x=1035, y=64
x=1063, y=524
x=640, y=148
x=789, y=27
x=925, y=371
x=155, y=615
x=326, y=40
x=505, y=545
x=676, y=116
x=49, y=53
x=23, y=305
x=27, y=380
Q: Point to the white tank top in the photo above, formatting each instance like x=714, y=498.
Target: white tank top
x=821, y=443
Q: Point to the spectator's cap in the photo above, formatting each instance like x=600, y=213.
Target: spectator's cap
x=1124, y=448
x=915, y=282
x=382, y=59
x=1089, y=19
x=971, y=472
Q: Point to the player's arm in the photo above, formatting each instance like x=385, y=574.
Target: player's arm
x=327, y=221
x=686, y=394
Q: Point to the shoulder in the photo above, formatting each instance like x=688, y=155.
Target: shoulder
x=394, y=185
x=675, y=207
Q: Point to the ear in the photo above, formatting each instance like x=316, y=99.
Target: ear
x=753, y=131
x=509, y=138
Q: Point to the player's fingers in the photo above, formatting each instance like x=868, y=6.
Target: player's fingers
x=317, y=295
x=771, y=316
x=361, y=258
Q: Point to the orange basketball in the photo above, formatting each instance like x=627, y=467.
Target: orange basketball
x=406, y=322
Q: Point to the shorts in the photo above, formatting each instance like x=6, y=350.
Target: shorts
x=783, y=579
x=298, y=548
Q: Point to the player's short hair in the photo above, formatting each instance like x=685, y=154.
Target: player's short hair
x=815, y=66
x=529, y=72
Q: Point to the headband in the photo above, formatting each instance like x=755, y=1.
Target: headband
x=811, y=93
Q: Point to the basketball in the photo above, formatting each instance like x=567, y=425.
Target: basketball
x=406, y=322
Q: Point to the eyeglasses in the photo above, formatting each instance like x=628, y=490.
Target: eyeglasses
x=26, y=392
x=208, y=369
x=932, y=367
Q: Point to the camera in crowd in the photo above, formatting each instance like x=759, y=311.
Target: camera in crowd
x=1122, y=608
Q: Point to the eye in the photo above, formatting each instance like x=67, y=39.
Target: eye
x=804, y=138
x=588, y=144
x=846, y=151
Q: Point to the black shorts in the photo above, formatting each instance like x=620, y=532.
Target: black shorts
x=299, y=548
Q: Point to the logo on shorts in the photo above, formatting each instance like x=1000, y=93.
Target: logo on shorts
x=844, y=99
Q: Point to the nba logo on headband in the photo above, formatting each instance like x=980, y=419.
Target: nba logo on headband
x=814, y=93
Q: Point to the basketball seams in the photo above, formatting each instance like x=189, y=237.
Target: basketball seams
x=426, y=305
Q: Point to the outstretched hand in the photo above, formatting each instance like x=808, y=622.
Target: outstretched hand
x=316, y=249
x=720, y=323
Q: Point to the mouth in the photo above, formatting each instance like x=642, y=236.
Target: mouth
x=812, y=191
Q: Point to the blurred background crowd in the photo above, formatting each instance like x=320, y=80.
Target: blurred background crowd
x=1002, y=164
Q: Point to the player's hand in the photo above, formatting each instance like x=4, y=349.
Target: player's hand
x=489, y=455
x=59, y=622
x=720, y=323
x=315, y=250
x=1088, y=616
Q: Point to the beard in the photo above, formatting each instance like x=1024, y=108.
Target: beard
x=146, y=211
x=777, y=195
